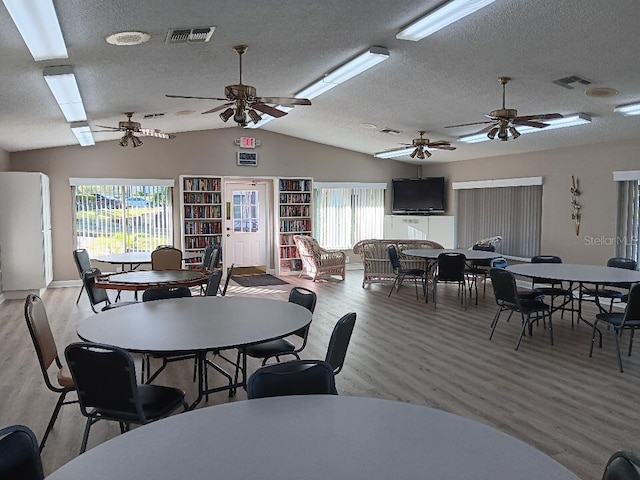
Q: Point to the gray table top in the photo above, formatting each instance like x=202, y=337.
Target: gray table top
x=155, y=276
x=432, y=253
x=314, y=437
x=576, y=273
x=194, y=324
x=137, y=258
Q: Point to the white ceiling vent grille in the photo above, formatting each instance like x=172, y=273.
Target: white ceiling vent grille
x=566, y=82
x=390, y=131
x=189, y=35
x=154, y=115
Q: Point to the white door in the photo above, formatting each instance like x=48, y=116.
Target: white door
x=246, y=223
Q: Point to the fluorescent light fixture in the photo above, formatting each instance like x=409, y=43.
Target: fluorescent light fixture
x=63, y=85
x=440, y=17
x=628, y=110
x=353, y=67
x=568, y=121
x=83, y=133
x=394, y=153
x=37, y=22
x=266, y=118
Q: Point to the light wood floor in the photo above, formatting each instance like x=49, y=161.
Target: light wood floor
x=576, y=409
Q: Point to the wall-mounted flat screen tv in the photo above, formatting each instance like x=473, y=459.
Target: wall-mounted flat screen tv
x=418, y=196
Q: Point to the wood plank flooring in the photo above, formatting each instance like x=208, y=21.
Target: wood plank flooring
x=574, y=408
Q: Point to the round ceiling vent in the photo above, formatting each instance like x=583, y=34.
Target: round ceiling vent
x=601, y=92
x=128, y=38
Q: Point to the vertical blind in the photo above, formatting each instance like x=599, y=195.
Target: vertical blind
x=513, y=212
x=122, y=218
x=346, y=213
x=628, y=220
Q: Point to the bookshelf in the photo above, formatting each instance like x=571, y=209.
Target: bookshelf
x=294, y=209
x=201, y=212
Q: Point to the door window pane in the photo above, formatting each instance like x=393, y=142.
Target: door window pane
x=246, y=216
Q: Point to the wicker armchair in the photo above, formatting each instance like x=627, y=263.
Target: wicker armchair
x=317, y=261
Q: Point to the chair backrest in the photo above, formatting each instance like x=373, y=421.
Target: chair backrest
x=451, y=267
x=393, y=257
x=504, y=286
x=500, y=262
x=632, y=310
x=307, y=299
x=159, y=293
x=298, y=377
x=206, y=256
x=339, y=341
x=166, y=258
x=40, y=331
x=214, y=261
x=19, y=454
x=484, y=248
x=626, y=263
x=83, y=262
x=226, y=282
x=105, y=378
x=546, y=259
x=213, y=283
x=96, y=295
x=622, y=466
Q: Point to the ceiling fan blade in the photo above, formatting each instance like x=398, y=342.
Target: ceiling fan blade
x=154, y=132
x=286, y=101
x=274, y=112
x=544, y=116
x=113, y=129
x=438, y=143
x=467, y=124
x=197, y=98
x=529, y=123
x=443, y=147
x=484, y=130
x=220, y=107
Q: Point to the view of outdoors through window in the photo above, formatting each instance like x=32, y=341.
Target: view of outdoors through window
x=122, y=218
x=245, y=211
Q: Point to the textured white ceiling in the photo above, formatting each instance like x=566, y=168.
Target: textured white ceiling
x=445, y=79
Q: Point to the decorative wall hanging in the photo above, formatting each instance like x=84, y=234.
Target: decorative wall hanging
x=575, y=206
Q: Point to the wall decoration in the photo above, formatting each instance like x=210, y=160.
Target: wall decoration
x=575, y=206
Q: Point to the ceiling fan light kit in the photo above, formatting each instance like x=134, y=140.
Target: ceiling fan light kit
x=63, y=86
x=439, y=18
x=38, y=24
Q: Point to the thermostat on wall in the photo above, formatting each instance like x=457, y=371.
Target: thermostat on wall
x=247, y=159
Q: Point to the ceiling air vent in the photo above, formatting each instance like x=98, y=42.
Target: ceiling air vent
x=390, y=131
x=189, y=35
x=154, y=115
x=567, y=81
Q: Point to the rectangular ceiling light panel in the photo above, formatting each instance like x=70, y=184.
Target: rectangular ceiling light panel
x=353, y=67
x=37, y=22
x=628, y=110
x=441, y=17
x=567, y=121
x=63, y=85
x=83, y=133
x=394, y=153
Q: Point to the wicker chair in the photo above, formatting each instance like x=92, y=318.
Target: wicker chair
x=317, y=261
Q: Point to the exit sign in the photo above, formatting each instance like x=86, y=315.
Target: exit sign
x=247, y=142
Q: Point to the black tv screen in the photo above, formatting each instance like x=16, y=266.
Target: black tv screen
x=418, y=195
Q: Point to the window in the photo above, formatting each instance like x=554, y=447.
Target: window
x=345, y=213
x=120, y=215
x=511, y=208
x=246, y=207
x=628, y=215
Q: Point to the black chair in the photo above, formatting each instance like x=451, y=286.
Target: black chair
x=298, y=377
x=47, y=351
x=479, y=269
x=213, y=283
x=506, y=293
x=629, y=320
x=339, y=342
x=98, y=295
x=19, y=454
x=160, y=293
x=451, y=269
x=401, y=273
x=553, y=288
x=612, y=293
x=83, y=264
x=501, y=262
x=206, y=256
x=226, y=282
x=107, y=388
x=281, y=346
x=622, y=466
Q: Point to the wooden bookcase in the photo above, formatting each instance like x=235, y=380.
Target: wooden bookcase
x=201, y=212
x=295, y=214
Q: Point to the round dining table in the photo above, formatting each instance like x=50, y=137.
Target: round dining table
x=143, y=279
x=196, y=325
x=315, y=437
x=136, y=259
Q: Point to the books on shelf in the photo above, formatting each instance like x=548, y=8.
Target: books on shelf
x=295, y=218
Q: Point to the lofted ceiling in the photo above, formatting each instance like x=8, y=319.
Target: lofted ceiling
x=445, y=79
